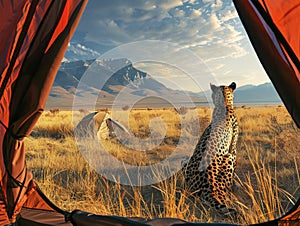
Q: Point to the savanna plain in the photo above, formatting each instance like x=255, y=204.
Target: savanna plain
x=267, y=178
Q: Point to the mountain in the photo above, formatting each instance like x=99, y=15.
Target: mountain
x=119, y=76
x=117, y=72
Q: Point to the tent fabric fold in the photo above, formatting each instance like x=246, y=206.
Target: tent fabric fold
x=271, y=27
x=35, y=38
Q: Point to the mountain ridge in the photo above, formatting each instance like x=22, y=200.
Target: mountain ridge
x=120, y=74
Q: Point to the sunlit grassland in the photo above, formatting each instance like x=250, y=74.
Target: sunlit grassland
x=266, y=183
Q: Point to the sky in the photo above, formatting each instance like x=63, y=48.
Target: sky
x=183, y=43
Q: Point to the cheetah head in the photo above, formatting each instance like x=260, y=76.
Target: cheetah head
x=223, y=95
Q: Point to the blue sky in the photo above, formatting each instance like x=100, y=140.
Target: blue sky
x=208, y=29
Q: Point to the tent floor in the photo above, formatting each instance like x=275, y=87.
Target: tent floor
x=38, y=217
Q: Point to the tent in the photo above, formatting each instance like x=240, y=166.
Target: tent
x=34, y=37
x=100, y=124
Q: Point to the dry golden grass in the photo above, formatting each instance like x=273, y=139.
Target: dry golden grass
x=267, y=176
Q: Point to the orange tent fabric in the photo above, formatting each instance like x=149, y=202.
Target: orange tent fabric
x=34, y=37
x=273, y=28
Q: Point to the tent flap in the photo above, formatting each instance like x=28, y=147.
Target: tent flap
x=32, y=52
x=270, y=26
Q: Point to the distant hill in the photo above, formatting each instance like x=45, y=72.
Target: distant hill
x=264, y=93
x=121, y=75
x=255, y=94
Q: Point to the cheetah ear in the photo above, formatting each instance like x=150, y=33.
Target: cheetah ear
x=232, y=86
x=213, y=87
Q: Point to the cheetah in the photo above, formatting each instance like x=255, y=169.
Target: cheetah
x=209, y=171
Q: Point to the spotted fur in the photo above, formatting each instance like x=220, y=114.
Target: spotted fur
x=209, y=171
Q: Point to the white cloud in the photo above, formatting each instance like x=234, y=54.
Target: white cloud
x=195, y=13
x=187, y=23
x=169, y=4
x=229, y=14
x=178, y=12
x=217, y=5
x=210, y=28
x=206, y=1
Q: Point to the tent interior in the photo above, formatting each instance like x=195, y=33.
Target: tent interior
x=39, y=148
